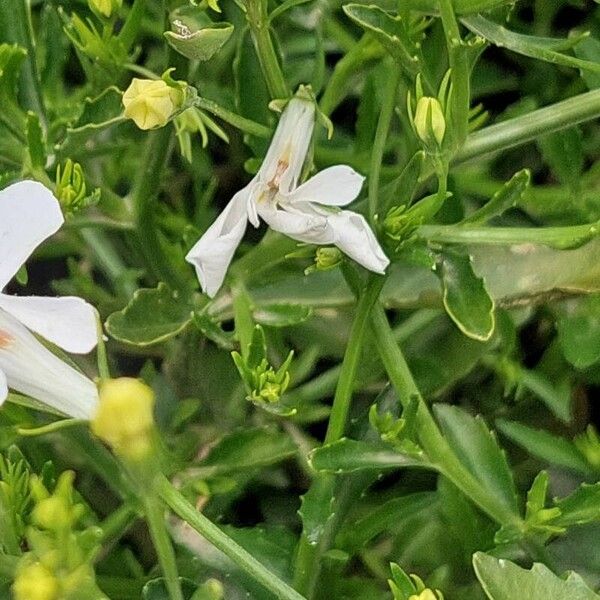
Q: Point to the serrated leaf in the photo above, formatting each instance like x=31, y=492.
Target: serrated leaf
x=465, y=295
x=503, y=580
x=551, y=448
x=505, y=198
x=388, y=30
x=347, y=456
x=282, y=315
x=152, y=316
x=546, y=49
x=582, y=506
x=478, y=449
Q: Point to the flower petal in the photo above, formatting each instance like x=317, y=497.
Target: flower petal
x=286, y=155
x=213, y=252
x=334, y=186
x=32, y=369
x=29, y=214
x=299, y=222
x=354, y=237
x=68, y=322
x=3, y=388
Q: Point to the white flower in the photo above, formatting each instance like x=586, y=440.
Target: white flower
x=29, y=214
x=300, y=211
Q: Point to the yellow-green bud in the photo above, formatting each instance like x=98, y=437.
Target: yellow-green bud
x=327, y=257
x=426, y=594
x=105, y=7
x=124, y=419
x=35, y=582
x=430, y=123
x=52, y=513
x=151, y=103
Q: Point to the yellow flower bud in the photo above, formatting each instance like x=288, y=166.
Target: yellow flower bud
x=124, y=419
x=52, y=513
x=105, y=7
x=35, y=582
x=429, y=121
x=151, y=103
x=426, y=594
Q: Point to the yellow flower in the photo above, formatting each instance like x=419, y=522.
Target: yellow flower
x=429, y=120
x=151, y=103
x=35, y=582
x=426, y=594
x=124, y=419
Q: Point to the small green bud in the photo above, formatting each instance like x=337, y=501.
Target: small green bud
x=588, y=444
x=429, y=121
x=327, y=257
x=105, y=8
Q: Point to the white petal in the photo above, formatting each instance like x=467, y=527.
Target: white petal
x=32, y=369
x=286, y=155
x=68, y=322
x=3, y=388
x=299, y=222
x=334, y=186
x=354, y=237
x=29, y=214
x=213, y=252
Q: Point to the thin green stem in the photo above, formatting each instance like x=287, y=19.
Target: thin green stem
x=117, y=523
x=155, y=516
x=430, y=437
x=50, y=428
x=258, y=20
x=145, y=191
x=241, y=123
x=560, y=237
x=242, y=314
x=223, y=542
x=132, y=24
x=381, y=136
x=526, y=128
x=15, y=24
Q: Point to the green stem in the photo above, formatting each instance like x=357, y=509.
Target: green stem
x=308, y=557
x=258, y=20
x=155, y=516
x=381, y=135
x=526, y=128
x=242, y=314
x=50, y=428
x=132, y=24
x=15, y=24
x=115, y=525
x=430, y=437
x=145, y=191
x=223, y=542
x=559, y=237
x=241, y=123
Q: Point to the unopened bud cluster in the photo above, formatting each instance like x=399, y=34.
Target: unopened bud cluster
x=151, y=103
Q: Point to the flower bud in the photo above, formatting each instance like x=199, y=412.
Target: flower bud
x=151, y=103
x=327, y=257
x=35, y=582
x=106, y=8
x=426, y=594
x=125, y=419
x=429, y=120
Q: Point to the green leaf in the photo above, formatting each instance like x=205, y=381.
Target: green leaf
x=545, y=446
x=505, y=198
x=563, y=151
x=282, y=315
x=316, y=508
x=589, y=49
x=503, y=580
x=536, y=496
x=347, y=456
x=35, y=142
x=247, y=449
x=546, y=49
x=401, y=191
x=195, y=35
x=465, y=295
x=477, y=448
x=152, y=316
x=211, y=329
x=579, y=331
x=582, y=506
x=391, y=32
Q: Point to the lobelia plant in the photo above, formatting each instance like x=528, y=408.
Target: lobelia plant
x=385, y=389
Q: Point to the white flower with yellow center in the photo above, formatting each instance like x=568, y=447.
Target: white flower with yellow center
x=29, y=214
x=300, y=211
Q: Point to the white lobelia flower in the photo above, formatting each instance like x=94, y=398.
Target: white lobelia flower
x=303, y=212
x=29, y=213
